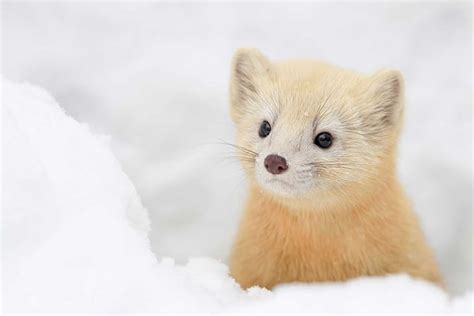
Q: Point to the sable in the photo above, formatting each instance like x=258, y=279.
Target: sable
x=318, y=145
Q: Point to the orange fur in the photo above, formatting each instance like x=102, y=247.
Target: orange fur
x=364, y=226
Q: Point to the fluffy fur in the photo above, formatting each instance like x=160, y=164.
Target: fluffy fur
x=336, y=213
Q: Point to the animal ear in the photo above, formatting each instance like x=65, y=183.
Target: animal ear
x=386, y=91
x=249, y=69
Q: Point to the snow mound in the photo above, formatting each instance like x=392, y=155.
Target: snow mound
x=75, y=236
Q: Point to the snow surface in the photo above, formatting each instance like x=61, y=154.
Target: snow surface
x=75, y=237
x=154, y=77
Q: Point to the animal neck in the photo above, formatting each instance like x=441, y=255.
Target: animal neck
x=338, y=209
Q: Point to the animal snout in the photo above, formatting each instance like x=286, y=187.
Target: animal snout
x=275, y=164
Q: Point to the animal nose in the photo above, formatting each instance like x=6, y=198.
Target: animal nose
x=275, y=164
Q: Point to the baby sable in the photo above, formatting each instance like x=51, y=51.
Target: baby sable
x=318, y=146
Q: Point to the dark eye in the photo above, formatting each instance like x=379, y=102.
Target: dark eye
x=265, y=129
x=323, y=140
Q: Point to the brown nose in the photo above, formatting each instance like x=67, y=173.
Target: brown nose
x=275, y=164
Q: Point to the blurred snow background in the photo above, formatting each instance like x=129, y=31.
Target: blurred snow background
x=154, y=76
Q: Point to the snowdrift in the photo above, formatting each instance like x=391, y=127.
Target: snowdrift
x=75, y=237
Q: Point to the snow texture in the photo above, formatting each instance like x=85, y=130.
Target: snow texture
x=75, y=236
x=154, y=76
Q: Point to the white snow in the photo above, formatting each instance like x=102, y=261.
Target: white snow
x=75, y=237
x=154, y=76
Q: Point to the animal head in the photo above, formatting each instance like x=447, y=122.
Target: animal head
x=310, y=131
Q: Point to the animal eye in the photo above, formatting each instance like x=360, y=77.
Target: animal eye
x=323, y=140
x=265, y=129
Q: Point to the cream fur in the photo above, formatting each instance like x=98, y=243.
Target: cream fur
x=337, y=213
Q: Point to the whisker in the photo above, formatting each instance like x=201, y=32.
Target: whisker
x=238, y=147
